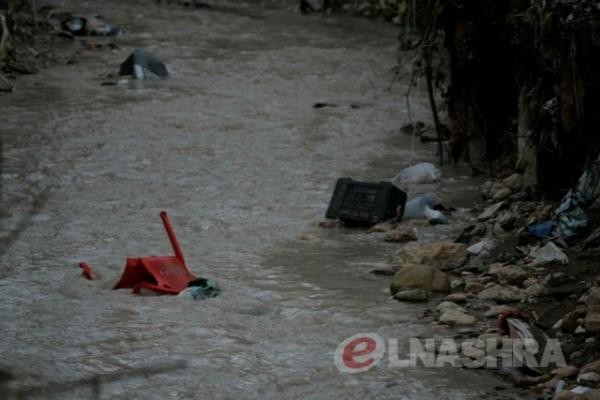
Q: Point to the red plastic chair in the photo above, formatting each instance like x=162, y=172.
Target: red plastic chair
x=162, y=274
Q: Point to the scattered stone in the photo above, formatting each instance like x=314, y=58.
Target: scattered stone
x=535, y=290
x=419, y=276
x=491, y=211
x=502, y=294
x=401, y=235
x=433, y=254
x=448, y=305
x=412, y=295
x=456, y=317
x=592, y=297
x=473, y=287
x=550, y=253
x=589, y=378
x=381, y=228
x=592, y=322
x=501, y=193
x=513, y=182
x=457, y=297
x=565, y=372
x=580, y=330
x=511, y=274
x=594, y=366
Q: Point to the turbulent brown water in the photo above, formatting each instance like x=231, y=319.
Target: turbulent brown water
x=233, y=149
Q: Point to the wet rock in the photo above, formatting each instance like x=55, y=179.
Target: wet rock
x=511, y=274
x=307, y=237
x=448, y=305
x=381, y=227
x=592, y=322
x=433, y=254
x=502, y=294
x=329, y=223
x=420, y=276
x=565, y=372
x=497, y=310
x=593, y=394
x=454, y=316
x=535, y=290
x=593, y=366
x=513, y=182
x=473, y=287
x=501, y=194
x=457, y=297
x=550, y=253
x=401, y=235
x=491, y=211
x=589, y=378
x=412, y=295
x=592, y=297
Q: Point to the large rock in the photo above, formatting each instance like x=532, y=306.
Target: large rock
x=412, y=295
x=401, y=235
x=511, y=274
x=420, y=276
x=513, y=182
x=565, y=372
x=592, y=322
x=433, y=254
x=448, y=305
x=592, y=297
x=454, y=316
x=502, y=294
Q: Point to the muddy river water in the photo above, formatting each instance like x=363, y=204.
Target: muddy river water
x=233, y=149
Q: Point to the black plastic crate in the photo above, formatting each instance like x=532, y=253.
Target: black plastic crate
x=365, y=203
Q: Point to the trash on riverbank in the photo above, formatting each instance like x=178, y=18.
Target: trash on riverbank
x=570, y=217
x=365, y=203
x=143, y=65
x=418, y=173
x=424, y=207
x=88, y=26
x=550, y=253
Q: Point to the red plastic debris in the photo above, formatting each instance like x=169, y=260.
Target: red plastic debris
x=164, y=275
x=87, y=271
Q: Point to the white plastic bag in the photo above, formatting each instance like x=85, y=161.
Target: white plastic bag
x=418, y=173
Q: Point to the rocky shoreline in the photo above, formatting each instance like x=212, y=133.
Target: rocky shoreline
x=495, y=270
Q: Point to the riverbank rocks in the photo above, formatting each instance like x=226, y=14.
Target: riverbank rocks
x=502, y=294
x=412, y=295
x=511, y=274
x=502, y=189
x=432, y=254
x=455, y=316
x=401, y=235
x=381, y=227
x=420, y=276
